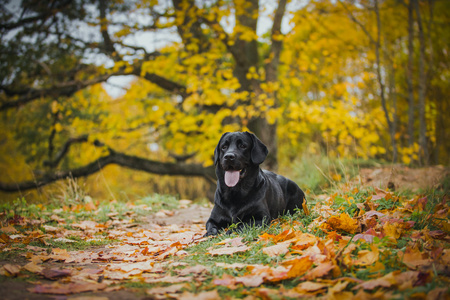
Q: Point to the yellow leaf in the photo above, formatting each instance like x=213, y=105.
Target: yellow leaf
x=343, y=223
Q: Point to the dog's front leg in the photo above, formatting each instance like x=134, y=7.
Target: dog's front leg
x=217, y=221
x=211, y=228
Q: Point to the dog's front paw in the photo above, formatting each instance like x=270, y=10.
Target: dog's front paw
x=211, y=231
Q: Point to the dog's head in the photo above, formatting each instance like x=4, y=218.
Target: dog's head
x=237, y=154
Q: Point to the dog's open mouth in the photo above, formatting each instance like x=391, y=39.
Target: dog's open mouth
x=232, y=177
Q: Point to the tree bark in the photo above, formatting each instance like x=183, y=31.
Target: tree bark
x=409, y=74
x=390, y=123
x=422, y=89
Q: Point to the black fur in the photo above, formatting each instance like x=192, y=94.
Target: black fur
x=259, y=196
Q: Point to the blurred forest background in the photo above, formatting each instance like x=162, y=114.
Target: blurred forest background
x=130, y=97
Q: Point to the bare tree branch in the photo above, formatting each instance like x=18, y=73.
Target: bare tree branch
x=124, y=160
x=65, y=148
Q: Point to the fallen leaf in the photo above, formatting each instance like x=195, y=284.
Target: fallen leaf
x=320, y=271
x=64, y=240
x=367, y=257
x=33, y=268
x=310, y=286
x=66, y=289
x=234, y=242
x=194, y=270
x=298, y=266
x=343, y=222
x=54, y=274
x=232, y=266
x=8, y=229
x=228, y=250
x=88, y=298
x=211, y=295
x=13, y=270
x=144, y=266
x=250, y=280
x=163, y=291
x=278, y=249
x=167, y=279
x=226, y=280
x=385, y=281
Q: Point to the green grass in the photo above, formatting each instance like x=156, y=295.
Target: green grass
x=317, y=174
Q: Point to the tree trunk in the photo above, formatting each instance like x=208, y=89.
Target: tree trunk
x=390, y=123
x=409, y=74
x=422, y=89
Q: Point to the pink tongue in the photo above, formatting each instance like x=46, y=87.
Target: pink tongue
x=231, y=178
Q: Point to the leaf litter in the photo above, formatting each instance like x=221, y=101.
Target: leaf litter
x=354, y=244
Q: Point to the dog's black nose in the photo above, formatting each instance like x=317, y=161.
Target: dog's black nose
x=229, y=156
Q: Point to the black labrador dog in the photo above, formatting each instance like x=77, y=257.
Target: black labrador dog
x=245, y=193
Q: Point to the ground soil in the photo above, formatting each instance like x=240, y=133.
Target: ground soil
x=400, y=178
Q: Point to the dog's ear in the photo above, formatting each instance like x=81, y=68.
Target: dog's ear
x=259, y=150
x=217, y=150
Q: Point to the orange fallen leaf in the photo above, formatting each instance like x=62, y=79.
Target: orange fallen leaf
x=343, y=222
x=298, y=266
x=320, y=271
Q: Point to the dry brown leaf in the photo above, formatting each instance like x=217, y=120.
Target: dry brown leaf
x=414, y=259
x=278, y=249
x=66, y=289
x=163, y=291
x=33, y=268
x=228, y=250
x=231, y=242
x=194, y=270
x=250, y=280
x=13, y=270
x=144, y=266
x=211, y=295
x=232, y=266
x=310, y=286
x=226, y=280
x=320, y=271
x=54, y=274
x=386, y=281
x=167, y=279
x=8, y=229
x=88, y=298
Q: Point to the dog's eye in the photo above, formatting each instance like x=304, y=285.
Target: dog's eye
x=224, y=147
x=242, y=146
